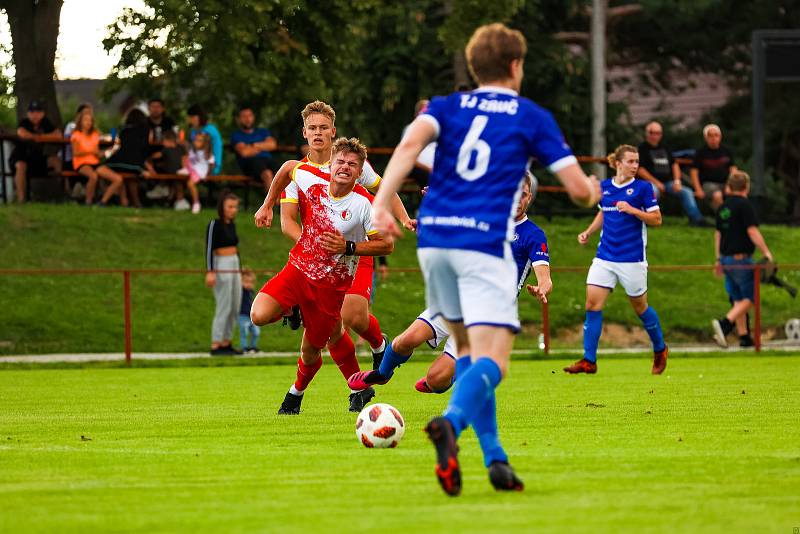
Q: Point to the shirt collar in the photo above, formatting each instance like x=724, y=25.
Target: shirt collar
x=624, y=184
x=495, y=89
x=525, y=219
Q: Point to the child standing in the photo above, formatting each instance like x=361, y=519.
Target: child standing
x=246, y=327
x=198, y=164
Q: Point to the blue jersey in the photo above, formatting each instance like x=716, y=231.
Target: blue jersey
x=624, y=237
x=529, y=248
x=485, y=141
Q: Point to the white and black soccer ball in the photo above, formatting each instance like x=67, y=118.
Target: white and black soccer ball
x=793, y=329
x=380, y=426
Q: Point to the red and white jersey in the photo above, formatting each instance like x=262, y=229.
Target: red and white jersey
x=321, y=212
x=368, y=178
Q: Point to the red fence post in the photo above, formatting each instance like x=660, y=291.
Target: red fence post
x=546, y=327
x=127, y=292
x=757, y=299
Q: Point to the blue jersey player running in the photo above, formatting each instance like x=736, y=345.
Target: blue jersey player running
x=627, y=207
x=485, y=139
x=529, y=247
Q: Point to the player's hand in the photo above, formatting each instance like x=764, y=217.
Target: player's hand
x=410, y=225
x=676, y=186
x=384, y=223
x=263, y=217
x=539, y=293
x=700, y=194
x=333, y=242
x=624, y=207
x=769, y=257
x=211, y=278
x=583, y=238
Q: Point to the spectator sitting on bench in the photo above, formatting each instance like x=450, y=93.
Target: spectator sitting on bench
x=158, y=124
x=197, y=165
x=198, y=120
x=30, y=158
x=253, y=146
x=170, y=161
x=711, y=167
x=85, y=144
x=76, y=187
x=133, y=151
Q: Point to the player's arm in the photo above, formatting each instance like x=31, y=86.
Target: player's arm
x=544, y=284
x=399, y=211
x=595, y=225
x=420, y=133
x=650, y=218
x=582, y=190
x=263, y=216
x=694, y=174
x=758, y=240
x=289, y=225
x=335, y=243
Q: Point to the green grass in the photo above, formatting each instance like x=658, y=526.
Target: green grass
x=711, y=446
x=79, y=313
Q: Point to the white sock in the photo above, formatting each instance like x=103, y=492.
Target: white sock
x=381, y=348
x=294, y=391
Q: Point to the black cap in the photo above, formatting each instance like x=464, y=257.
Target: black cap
x=36, y=105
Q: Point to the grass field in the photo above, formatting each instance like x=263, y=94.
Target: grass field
x=172, y=313
x=713, y=446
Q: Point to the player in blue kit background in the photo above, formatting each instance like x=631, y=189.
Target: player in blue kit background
x=627, y=207
x=485, y=139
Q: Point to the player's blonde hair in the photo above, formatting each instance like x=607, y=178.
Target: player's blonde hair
x=351, y=145
x=619, y=154
x=318, y=106
x=738, y=181
x=491, y=49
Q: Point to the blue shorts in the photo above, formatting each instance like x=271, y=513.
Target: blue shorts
x=738, y=282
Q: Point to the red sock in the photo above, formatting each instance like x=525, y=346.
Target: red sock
x=372, y=334
x=343, y=352
x=305, y=373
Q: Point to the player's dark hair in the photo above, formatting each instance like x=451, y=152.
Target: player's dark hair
x=619, y=154
x=225, y=196
x=490, y=51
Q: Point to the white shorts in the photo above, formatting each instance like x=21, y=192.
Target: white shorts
x=632, y=276
x=440, y=333
x=471, y=287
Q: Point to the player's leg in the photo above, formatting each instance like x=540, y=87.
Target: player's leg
x=356, y=317
x=277, y=296
x=307, y=366
x=599, y=283
x=399, y=350
x=633, y=277
x=441, y=374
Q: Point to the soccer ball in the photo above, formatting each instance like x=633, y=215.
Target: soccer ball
x=380, y=426
x=793, y=329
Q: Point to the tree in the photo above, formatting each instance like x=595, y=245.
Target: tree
x=34, y=33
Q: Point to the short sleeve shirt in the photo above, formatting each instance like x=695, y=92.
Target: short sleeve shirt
x=529, y=248
x=657, y=160
x=255, y=136
x=321, y=212
x=734, y=217
x=713, y=164
x=86, y=143
x=624, y=236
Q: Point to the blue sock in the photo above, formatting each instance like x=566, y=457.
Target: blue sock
x=592, y=328
x=462, y=365
x=485, y=426
x=653, y=326
x=391, y=361
x=472, y=391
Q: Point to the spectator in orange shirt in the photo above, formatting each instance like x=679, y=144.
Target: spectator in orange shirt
x=85, y=141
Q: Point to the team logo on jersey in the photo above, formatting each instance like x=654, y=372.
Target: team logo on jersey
x=544, y=247
x=606, y=192
x=346, y=215
x=629, y=191
x=515, y=238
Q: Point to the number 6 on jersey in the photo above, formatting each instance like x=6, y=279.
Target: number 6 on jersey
x=473, y=143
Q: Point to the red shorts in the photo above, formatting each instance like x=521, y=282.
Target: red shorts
x=362, y=283
x=321, y=307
